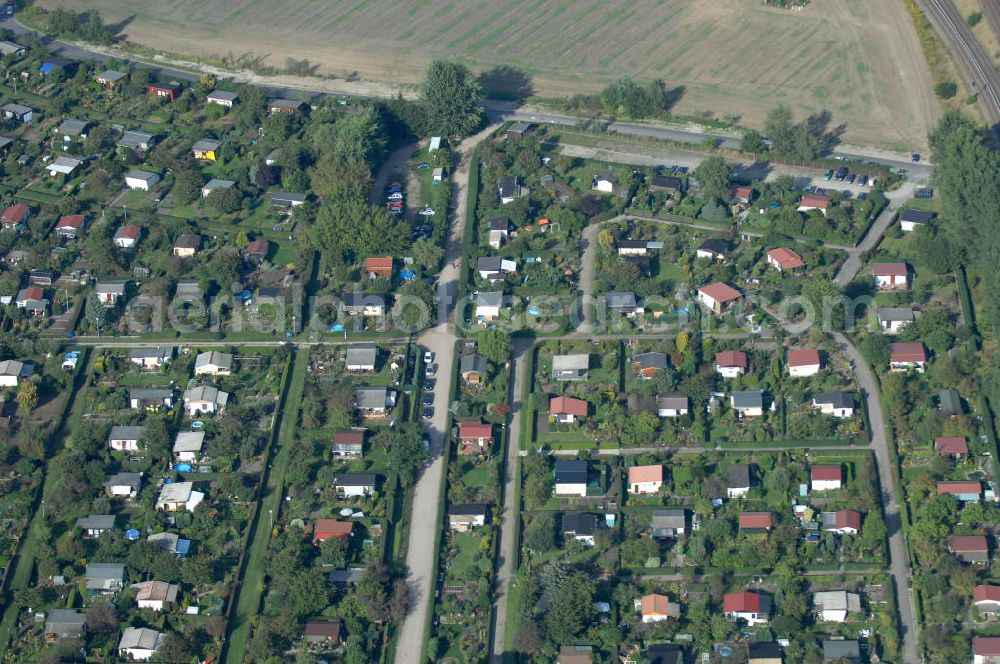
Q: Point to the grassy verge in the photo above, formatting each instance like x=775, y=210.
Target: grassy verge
x=251, y=587
x=23, y=563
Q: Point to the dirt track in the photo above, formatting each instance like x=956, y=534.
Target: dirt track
x=861, y=61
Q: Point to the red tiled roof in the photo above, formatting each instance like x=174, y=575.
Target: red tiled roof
x=349, y=437
x=15, y=213
x=128, y=231
x=815, y=201
x=986, y=645
x=986, y=594
x=720, y=292
x=379, y=265
x=731, y=358
x=890, y=270
x=755, y=520
x=786, y=258
x=908, y=351
x=258, y=247
x=745, y=602
x=473, y=429
x=951, y=445
x=577, y=407
x=826, y=473
x=654, y=605
x=847, y=519
x=326, y=528
x=70, y=221
x=33, y=293
x=967, y=544
x=803, y=357
x=743, y=193
x=652, y=473
x=952, y=488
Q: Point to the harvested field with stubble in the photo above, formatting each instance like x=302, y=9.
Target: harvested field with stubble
x=858, y=59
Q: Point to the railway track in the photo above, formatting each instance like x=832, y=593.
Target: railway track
x=970, y=56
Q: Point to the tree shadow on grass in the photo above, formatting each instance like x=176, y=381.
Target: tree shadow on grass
x=506, y=83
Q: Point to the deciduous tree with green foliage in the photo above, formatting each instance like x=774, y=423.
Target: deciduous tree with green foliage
x=452, y=98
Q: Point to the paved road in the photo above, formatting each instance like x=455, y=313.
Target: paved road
x=510, y=514
x=425, y=524
x=501, y=112
x=899, y=554
x=856, y=256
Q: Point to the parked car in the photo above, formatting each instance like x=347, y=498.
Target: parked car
x=914, y=157
x=426, y=212
x=428, y=357
x=430, y=384
x=850, y=178
x=924, y=192
x=862, y=180
x=828, y=174
x=820, y=190
x=863, y=196
x=681, y=169
x=810, y=189
x=422, y=166
x=427, y=399
x=428, y=413
x=430, y=369
x=841, y=173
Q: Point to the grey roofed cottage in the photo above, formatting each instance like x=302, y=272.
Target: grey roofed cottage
x=140, y=397
x=472, y=364
x=489, y=299
x=187, y=289
x=571, y=472
x=837, y=400
x=287, y=199
x=151, y=355
x=19, y=112
x=95, y=524
x=65, y=623
x=715, y=247
x=137, y=140
x=206, y=145
x=109, y=76
x=213, y=361
x=72, y=127
x=666, y=183
x=187, y=241
x=738, y=476
x=579, y=523
x=130, y=480
x=11, y=48
x=622, y=302
x=372, y=398
x=653, y=360
x=748, y=399
x=915, y=216
x=355, y=479
x=206, y=394
x=106, y=577
x=839, y=651
x=189, y=442
x=141, y=639
x=216, y=184
x=346, y=577
x=950, y=402
x=126, y=432
x=509, y=188
x=674, y=403
x=500, y=224
x=222, y=96
x=837, y=600
x=574, y=366
x=668, y=523
x=361, y=357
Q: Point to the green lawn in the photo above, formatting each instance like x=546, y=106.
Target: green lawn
x=252, y=585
